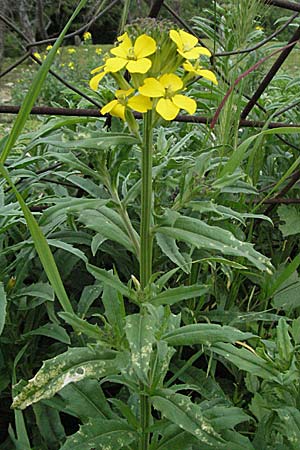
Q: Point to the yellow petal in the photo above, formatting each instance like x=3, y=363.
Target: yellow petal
x=208, y=74
x=194, y=53
x=122, y=49
x=203, y=51
x=124, y=93
x=115, y=64
x=118, y=111
x=94, y=82
x=139, y=66
x=188, y=40
x=140, y=103
x=97, y=69
x=166, y=108
x=183, y=102
x=188, y=67
x=175, y=36
x=171, y=81
x=152, y=88
x=144, y=46
x=107, y=108
x=122, y=37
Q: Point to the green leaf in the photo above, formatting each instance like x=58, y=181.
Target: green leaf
x=175, y=295
x=111, y=280
x=107, y=223
x=69, y=367
x=205, y=333
x=201, y=235
x=114, y=310
x=51, y=330
x=41, y=290
x=85, y=400
x=82, y=326
x=180, y=410
x=290, y=215
x=290, y=424
x=239, y=154
x=171, y=250
x=288, y=295
x=176, y=439
x=42, y=248
x=140, y=334
x=246, y=360
x=101, y=434
x=49, y=425
x=2, y=307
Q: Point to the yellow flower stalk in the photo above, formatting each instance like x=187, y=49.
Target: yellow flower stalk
x=98, y=51
x=48, y=48
x=186, y=45
x=170, y=102
x=131, y=56
x=123, y=100
x=71, y=51
x=198, y=70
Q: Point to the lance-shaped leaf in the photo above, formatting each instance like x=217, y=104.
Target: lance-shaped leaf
x=175, y=295
x=72, y=366
x=180, y=410
x=201, y=235
x=101, y=434
x=205, y=333
x=111, y=280
x=246, y=360
x=170, y=249
x=82, y=326
x=140, y=334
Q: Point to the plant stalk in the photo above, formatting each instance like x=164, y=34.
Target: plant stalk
x=146, y=203
x=146, y=255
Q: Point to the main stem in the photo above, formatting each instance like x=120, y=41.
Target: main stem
x=146, y=255
x=146, y=203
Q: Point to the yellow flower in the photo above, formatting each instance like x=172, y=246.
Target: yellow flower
x=87, y=36
x=101, y=72
x=186, y=45
x=132, y=57
x=71, y=65
x=48, y=48
x=166, y=88
x=259, y=28
x=71, y=51
x=117, y=107
x=98, y=51
x=198, y=70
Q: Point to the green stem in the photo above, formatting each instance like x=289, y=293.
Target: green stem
x=146, y=255
x=146, y=203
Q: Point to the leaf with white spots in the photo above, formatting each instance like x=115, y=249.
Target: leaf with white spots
x=101, y=434
x=180, y=410
x=201, y=235
x=69, y=367
x=140, y=334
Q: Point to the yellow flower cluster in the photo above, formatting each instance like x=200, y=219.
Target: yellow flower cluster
x=87, y=36
x=159, y=72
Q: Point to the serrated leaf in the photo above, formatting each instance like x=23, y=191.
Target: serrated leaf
x=69, y=367
x=140, y=334
x=206, y=334
x=101, y=434
x=175, y=295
